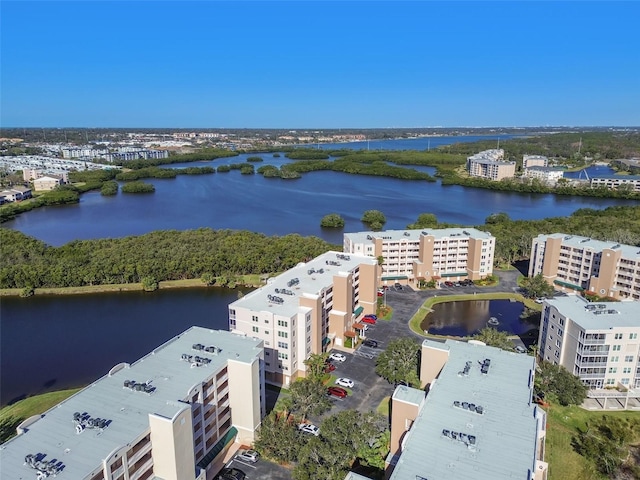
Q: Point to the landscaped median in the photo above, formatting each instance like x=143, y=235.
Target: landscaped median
x=418, y=317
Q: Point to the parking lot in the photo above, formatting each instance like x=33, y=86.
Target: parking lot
x=359, y=366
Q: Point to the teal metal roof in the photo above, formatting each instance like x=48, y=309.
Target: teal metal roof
x=358, y=311
x=218, y=447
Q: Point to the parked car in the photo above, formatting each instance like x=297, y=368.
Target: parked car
x=468, y=282
x=371, y=315
x=329, y=367
x=345, y=382
x=448, y=284
x=520, y=349
x=231, y=474
x=309, y=428
x=380, y=294
x=338, y=357
x=369, y=320
x=337, y=392
x=250, y=456
x=370, y=343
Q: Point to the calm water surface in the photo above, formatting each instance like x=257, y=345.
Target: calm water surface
x=56, y=342
x=466, y=318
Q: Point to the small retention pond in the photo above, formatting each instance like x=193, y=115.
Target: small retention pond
x=465, y=318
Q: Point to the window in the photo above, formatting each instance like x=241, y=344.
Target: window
x=618, y=336
x=254, y=318
x=626, y=370
x=283, y=334
x=610, y=381
x=624, y=381
x=558, y=343
x=283, y=345
x=633, y=336
x=283, y=323
x=628, y=358
x=614, y=359
x=613, y=370
x=283, y=356
x=255, y=329
x=616, y=348
x=266, y=332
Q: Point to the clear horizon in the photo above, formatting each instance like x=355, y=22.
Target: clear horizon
x=353, y=65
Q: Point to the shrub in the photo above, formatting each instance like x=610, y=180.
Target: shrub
x=138, y=187
x=332, y=220
x=109, y=188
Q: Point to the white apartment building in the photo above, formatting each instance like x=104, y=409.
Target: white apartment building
x=616, y=181
x=597, y=342
x=429, y=254
x=575, y=263
x=548, y=175
x=529, y=161
x=490, y=164
x=307, y=309
x=174, y=414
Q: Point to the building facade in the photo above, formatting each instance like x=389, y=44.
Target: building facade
x=529, y=161
x=307, y=309
x=598, y=342
x=490, y=164
x=615, y=182
x=173, y=414
x=574, y=263
x=46, y=183
x=548, y=175
x=431, y=254
x=461, y=428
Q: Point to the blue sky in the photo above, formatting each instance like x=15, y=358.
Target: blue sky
x=330, y=64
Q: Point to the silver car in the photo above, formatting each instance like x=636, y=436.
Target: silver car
x=250, y=456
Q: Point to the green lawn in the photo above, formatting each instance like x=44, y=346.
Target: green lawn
x=562, y=425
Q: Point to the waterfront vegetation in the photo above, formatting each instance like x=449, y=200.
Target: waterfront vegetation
x=332, y=220
x=163, y=255
x=173, y=255
x=138, y=187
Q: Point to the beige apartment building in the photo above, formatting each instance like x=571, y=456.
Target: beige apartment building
x=529, y=161
x=490, y=164
x=46, y=183
x=430, y=254
x=575, y=263
x=476, y=420
x=614, y=182
x=173, y=414
x=308, y=309
x=597, y=342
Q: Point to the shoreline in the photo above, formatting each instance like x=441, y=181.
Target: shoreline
x=121, y=287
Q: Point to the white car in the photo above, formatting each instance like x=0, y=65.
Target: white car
x=309, y=428
x=338, y=357
x=345, y=382
x=520, y=349
x=250, y=456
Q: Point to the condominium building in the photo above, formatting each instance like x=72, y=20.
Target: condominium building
x=173, y=414
x=477, y=419
x=46, y=183
x=597, y=342
x=614, y=182
x=548, y=175
x=574, y=263
x=490, y=164
x=431, y=254
x=529, y=161
x=307, y=309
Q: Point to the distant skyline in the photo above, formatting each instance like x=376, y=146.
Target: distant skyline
x=330, y=64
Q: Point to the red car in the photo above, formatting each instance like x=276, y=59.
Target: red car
x=329, y=367
x=337, y=392
x=369, y=320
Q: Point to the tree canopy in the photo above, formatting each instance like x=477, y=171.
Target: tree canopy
x=557, y=381
x=375, y=219
x=494, y=338
x=399, y=362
